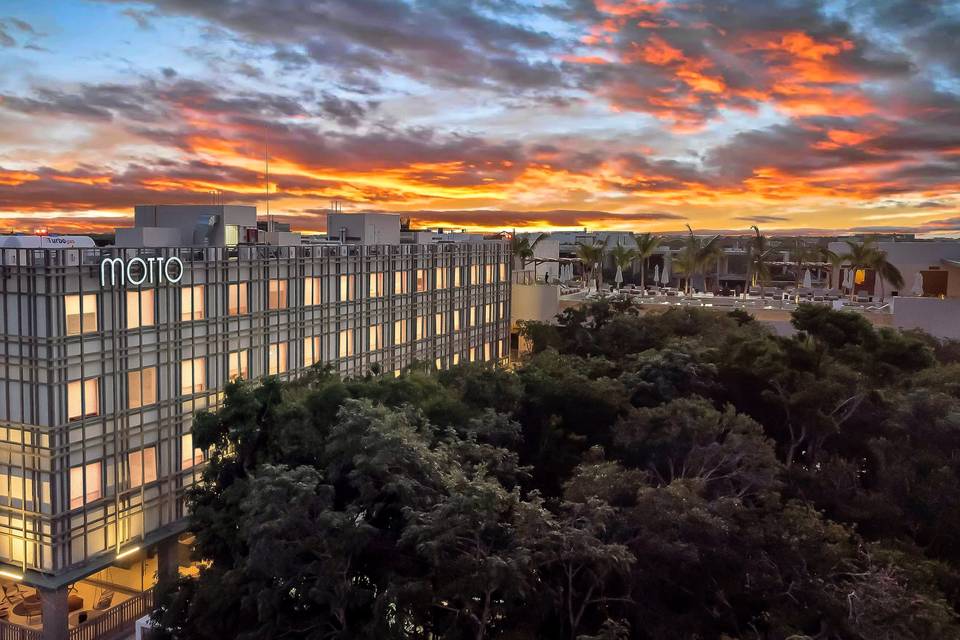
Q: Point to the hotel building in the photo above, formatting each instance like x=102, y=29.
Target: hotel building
x=107, y=353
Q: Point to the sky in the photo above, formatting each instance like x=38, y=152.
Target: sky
x=799, y=116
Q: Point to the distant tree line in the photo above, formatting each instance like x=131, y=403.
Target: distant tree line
x=681, y=475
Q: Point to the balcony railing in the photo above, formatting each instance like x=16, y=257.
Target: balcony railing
x=11, y=631
x=113, y=619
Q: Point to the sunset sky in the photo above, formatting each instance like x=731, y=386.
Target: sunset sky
x=495, y=114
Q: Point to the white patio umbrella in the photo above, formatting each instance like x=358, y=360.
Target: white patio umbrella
x=656, y=275
x=807, y=279
x=917, y=289
x=848, y=279
x=665, y=276
x=618, y=279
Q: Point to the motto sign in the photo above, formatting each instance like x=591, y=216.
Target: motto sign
x=137, y=271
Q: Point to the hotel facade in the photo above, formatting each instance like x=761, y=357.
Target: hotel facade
x=107, y=353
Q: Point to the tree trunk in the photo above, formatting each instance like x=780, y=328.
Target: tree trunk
x=643, y=275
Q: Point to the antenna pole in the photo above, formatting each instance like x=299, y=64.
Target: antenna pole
x=266, y=173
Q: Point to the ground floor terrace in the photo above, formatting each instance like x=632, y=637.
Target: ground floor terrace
x=100, y=606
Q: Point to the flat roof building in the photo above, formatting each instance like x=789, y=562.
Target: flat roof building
x=107, y=353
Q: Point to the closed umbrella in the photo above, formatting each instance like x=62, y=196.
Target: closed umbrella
x=656, y=275
x=848, y=279
x=917, y=289
x=807, y=279
x=665, y=276
x=618, y=279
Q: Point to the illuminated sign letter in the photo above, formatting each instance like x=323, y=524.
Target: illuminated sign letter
x=143, y=271
x=166, y=270
x=111, y=264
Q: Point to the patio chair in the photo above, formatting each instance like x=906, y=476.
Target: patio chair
x=103, y=603
x=12, y=594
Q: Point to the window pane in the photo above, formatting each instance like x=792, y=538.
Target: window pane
x=189, y=456
x=140, y=308
x=81, y=314
x=278, y=358
x=278, y=294
x=237, y=363
x=191, y=303
x=193, y=376
x=76, y=487
x=142, y=387
x=237, y=298
x=93, y=477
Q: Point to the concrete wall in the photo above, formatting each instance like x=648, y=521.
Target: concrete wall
x=940, y=318
x=547, y=249
x=365, y=228
x=184, y=218
x=539, y=302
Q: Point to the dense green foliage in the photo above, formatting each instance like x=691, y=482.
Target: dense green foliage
x=669, y=476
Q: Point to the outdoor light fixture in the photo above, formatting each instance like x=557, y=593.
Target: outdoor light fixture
x=126, y=553
x=11, y=575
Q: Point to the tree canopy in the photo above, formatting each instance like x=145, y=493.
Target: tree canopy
x=664, y=476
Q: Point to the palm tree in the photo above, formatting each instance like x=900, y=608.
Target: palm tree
x=835, y=261
x=522, y=248
x=647, y=243
x=802, y=255
x=758, y=269
x=859, y=255
x=695, y=255
x=886, y=271
x=623, y=256
x=591, y=255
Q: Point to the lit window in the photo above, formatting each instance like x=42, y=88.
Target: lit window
x=400, y=282
x=346, y=343
x=475, y=274
x=473, y=313
x=231, y=235
x=456, y=359
x=237, y=299
x=503, y=272
x=486, y=351
x=500, y=310
x=421, y=280
x=421, y=328
x=191, y=303
x=346, y=288
x=440, y=324
x=193, y=376
x=441, y=278
x=189, y=455
x=473, y=354
x=456, y=319
x=83, y=398
x=311, y=291
x=278, y=358
x=143, y=466
x=376, y=337
x=376, y=284
x=277, y=294
x=456, y=276
x=140, y=308
x=488, y=313
x=488, y=273
x=142, y=387
x=311, y=351
x=81, y=312
x=438, y=364
x=237, y=366
x=399, y=332
x=86, y=482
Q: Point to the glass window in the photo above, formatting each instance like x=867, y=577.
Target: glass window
x=311, y=351
x=231, y=235
x=142, y=387
x=140, y=308
x=456, y=319
x=237, y=299
x=456, y=276
x=191, y=303
x=400, y=282
x=376, y=285
x=83, y=398
x=143, y=466
x=346, y=343
x=237, y=364
x=473, y=354
x=399, y=332
x=441, y=278
x=474, y=274
x=193, y=376
x=346, y=288
x=278, y=294
x=488, y=313
x=421, y=280
x=488, y=273
x=421, y=328
x=311, y=291
x=189, y=455
x=486, y=351
x=473, y=313
x=81, y=313
x=86, y=484
x=376, y=337
x=440, y=324
x=278, y=358
x=503, y=272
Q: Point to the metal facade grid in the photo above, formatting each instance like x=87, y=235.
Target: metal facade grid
x=40, y=444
